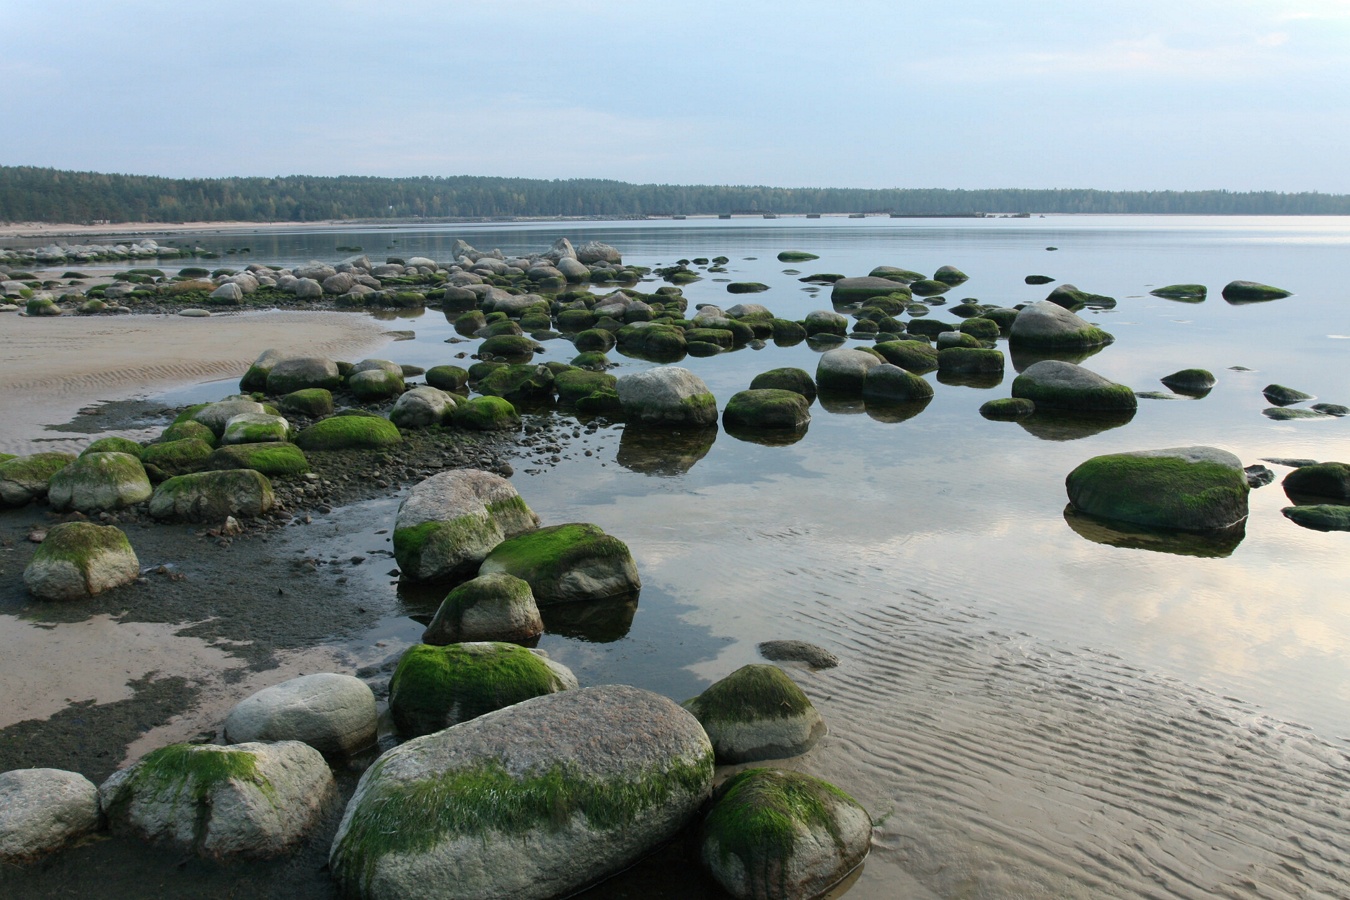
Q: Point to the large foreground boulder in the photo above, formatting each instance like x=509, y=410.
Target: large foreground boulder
x=1180, y=488
x=80, y=559
x=757, y=712
x=668, y=395
x=1054, y=384
x=251, y=800
x=606, y=775
x=448, y=523
x=1048, y=326
x=566, y=563
x=212, y=496
x=773, y=833
x=99, y=482
x=334, y=714
x=43, y=810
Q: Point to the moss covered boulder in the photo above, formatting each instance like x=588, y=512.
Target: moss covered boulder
x=25, y=478
x=757, y=712
x=774, y=833
x=796, y=256
x=771, y=408
x=856, y=290
x=479, y=812
x=1191, y=293
x=99, y=482
x=844, y=371
x=913, y=356
x=349, y=433
x=271, y=458
x=435, y=687
x=786, y=379
x=508, y=346
x=255, y=379
x=1054, y=384
x=566, y=563
x=113, y=445
x=298, y=373
x=1282, y=395
x=886, y=383
x=668, y=395
x=314, y=403
x=1049, y=326
x=249, y=801
x=1320, y=516
x=486, y=414
x=1007, y=409
x=188, y=428
x=1181, y=488
x=212, y=496
x=335, y=714
x=1195, y=382
x=79, y=560
x=825, y=321
x=178, y=457
x=255, y=428
x=575, y=384
x=495, y=607
x=1329, y=481
x=376, y=379
x=448, y=523
x=448, y=378
x=217, y=415
x=1252, y=291
x=519, y=383
x=421, y=407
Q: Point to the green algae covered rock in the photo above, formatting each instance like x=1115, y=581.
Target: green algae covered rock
x=508, y=346
x=349, y=433
x=376, y=379
x=448, y=378
x=480, y=812
x=970, y=360
x=1320, y=516
x=1251, y=291
x=255, y=428
x=298, y=373
x=786, y=379
x=249, y=801
x=523, y=383
x=796, y=256
x=25, y=478
x=188, y=428
x=114, y=445
x=448, y=523
x=774, y=833
x=212, y=496
x=486, y=414
x=857, y=290
x=981, y=328
x=891, y=384
x=312, y=402
x=1329, y=480
x=767, y=408
x=79, y=560
x=1191, y=293
x=1181, y=488
x=271, y=458
x=1007, y=409
x=913, y=356
x=574, y=384
x=844, y=371
x=495, y=607
x=1054, y=384
x=1194, y=382
x=668, y=396
x=757, y=712
x=435, y=687
x=566, y=563
x=99, y=482
x=178, y=457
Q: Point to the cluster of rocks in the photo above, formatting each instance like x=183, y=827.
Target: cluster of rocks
x=62, y=253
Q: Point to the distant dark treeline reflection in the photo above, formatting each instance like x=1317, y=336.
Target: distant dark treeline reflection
x=31, y=194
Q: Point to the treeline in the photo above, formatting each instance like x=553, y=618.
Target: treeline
x=31, y=194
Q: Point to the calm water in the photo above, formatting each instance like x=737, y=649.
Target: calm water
x=1035, y=712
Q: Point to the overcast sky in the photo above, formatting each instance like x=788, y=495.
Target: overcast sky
x=1139, y=94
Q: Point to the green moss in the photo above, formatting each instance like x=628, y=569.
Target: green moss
x=78, y=542
x=448, y=378
x=1007, y=409
x=913, y=356
x=1320, y=517
x=508, y=345
x=603, y=402
x=375, y=384
x=519, y=383
x=767, y=408
x=1106, y=398
x=114, y=445
x=786, y=379
x=1238, y=291
x=1181, y=292
x=347, y=432
x=981, y=328
x=185, y=429
x=486, y=414
x=796, y=256
x=484, y=798
x=752, y=692
x=717, y=336
x=968, y=360
x=188, y=414
x=543, y=556
x=435, y=687
x=1330, y=480
x=575, y=384
x=177, y=457
x=594, y=360
x=760, y=813
x=1160, y=491
x=270, y=458
x=312, y=402
x=1092, y=336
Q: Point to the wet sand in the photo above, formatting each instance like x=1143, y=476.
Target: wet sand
x=54, y=367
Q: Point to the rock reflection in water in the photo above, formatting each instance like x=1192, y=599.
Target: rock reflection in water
x=663, y=451
x=768, y=437
x=1210, y=544
x=1026, y=356
x=1060, y=425
x=891, y=413
x=981, y=380
x=594, y=621
x=386, y=315
x=419, y=600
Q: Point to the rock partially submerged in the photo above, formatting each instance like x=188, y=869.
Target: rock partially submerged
x=755, y=713
x=494, y=607
x=1327, y=481
x=1181, y=488
x=1252, y=291
x=1054, y=384
x=566, y=563
x=770, y=408
x=1050, y=326
x=668, y=395
x=448, y=523
x=99, y=482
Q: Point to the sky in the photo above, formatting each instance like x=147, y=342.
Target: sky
x=1131, y=95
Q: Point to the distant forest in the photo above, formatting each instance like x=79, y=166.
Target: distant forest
x=30, y=194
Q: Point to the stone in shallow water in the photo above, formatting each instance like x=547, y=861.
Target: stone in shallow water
x=798, y=651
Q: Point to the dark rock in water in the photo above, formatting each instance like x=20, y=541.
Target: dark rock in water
x=1251, y=291
x=796, y=256
x=887, y=383
x=1052, y=248
x=1284, y=396
x=1180, y=488
x=929, y=287
x=1191, y=293
x=1196, y=382
x=913, y=356
x=1330, y=480
x=786, y=379
x=1156, y=395
x=767, y=408
x=1038, y=279
x=1049, y=326
x=893, y=273
x=856, y=290
x=1332, y=409
x=746, y=287
x=950, y=275
x=1283, y=414
x=1322, y=517
x=798, y=651
x=1071, y=298
x=1258, y=476
x=1007, y=409
x=967, y=360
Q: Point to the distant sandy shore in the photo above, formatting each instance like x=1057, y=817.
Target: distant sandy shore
x=54, y=367
x=90, y=232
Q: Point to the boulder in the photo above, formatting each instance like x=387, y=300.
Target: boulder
x=767, y=408
x=912, y=356
x=376, y=379
x=79, y=560
x=255, y=428
x=746, y=287
x=334, y=714
x=667, y=395
x=826, y=321
x=228, y=293
x=178, y=457
x=1328, y=480
x=566, y=563
x=349, y=433
x=896, y=274
x=271, y=458
x=99, y=482
x=44, y=810
x=338, y=283
x=576, y=384
x=1285, y=396
x=486, y=414
x=448, y=378
x=435, y=687
x=1195, y=382
x=856, y=290
x=311, y=402
x=308, y=289
x=522, y=383
x=950, y=275
x=796, y=256
x=786, y=379
x=25, y=478
x=422, y=406
x=1249, y=291
x=448, y=523
x=886, y=383
x=755, y=713
x=970, y=361
x=774, y=833
x=114, y=445
x=1180, y=488
x=1049, y=326
x=252, y=800
x=217, y=415
x=593, y=252
x=1007, y=409
x=813, y=655
x=1187, y=292
x=530, y=819
x=212, y=496
x=1320, y=517
x=495, y=607
x=844, y=371
x=1071, y=297
x=1053, y=384
x=301, y=372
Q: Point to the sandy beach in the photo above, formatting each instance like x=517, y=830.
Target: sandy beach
x=52, y=368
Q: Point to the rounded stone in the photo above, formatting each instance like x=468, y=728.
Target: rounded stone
x=335, y=714
x=44, y=810
x=755, y=713
x=1180, y=488
x=493, y=607
x=99, y=482
x=667, y=395
x=79, y=560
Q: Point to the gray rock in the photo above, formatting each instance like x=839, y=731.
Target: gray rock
x=44, y=810
x=1049, y=326
x=825, y=321
x=494, y=607
x=255, y=428
x=25, y=478
x=211, y=496
x=251, y=800
x=315, y=271
x=334, y=714
x=562, y=249
x=798, y=651
x=226, y=293
x=376, y=379
x=667, y=395
x=566, y=563
x=247, y=283
x=1179, y=488
x=422, y=406
x=844, y=371
x=573, y=270
x=755, y=713
x=297, y=373
x=448, y=523
x=99, y=482
x=79, y=560
x=856, y=290
x=593, y=252
x=537, y=818
x=886, y=383
x=1054, y=384
x=217, y=415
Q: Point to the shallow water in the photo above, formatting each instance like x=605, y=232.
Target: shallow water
x=1034, y=711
